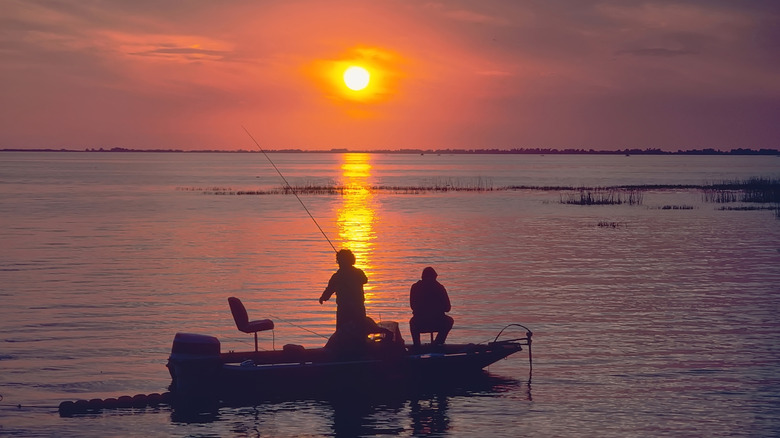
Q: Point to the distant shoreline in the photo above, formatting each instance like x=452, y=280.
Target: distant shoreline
x=532, y=151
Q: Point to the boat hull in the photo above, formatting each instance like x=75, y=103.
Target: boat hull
x=199, y=370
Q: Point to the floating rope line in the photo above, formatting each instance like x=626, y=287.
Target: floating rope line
x=20, y=406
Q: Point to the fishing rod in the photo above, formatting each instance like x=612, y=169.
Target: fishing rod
x=289, y=187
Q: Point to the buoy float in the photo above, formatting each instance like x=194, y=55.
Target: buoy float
x=125, y=401
x=110, y=403
x=154, y=399
x=68, y=408
x=81, y=405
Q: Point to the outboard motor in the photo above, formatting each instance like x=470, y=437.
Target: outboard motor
x=194, y=365
x=393, y=328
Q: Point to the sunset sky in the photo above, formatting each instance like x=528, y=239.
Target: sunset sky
x=450, y=74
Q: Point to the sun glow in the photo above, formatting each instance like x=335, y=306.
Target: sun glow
x=361, y=75
x=356, y=78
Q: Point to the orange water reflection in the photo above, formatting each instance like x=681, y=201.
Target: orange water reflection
x=356, y=214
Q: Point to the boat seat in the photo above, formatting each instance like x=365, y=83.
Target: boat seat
x=245, y=325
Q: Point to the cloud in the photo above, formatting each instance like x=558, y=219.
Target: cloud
x=185, y=53
x=466, y=15
x=656, y=51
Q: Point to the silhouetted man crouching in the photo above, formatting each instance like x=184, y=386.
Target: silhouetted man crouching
x=430, y=302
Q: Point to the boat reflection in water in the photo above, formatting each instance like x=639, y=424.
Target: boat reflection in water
x=424, y=410
x=427, y=408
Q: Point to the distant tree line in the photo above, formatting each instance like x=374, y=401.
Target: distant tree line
x=531, y=151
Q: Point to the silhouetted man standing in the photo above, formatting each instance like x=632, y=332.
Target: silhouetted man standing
x=347, y=283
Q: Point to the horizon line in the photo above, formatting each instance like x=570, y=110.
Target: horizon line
x=529, y=151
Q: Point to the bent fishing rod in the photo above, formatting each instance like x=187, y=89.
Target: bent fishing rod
x=289, y=187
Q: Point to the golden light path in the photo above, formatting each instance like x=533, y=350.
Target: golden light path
x=355, y=218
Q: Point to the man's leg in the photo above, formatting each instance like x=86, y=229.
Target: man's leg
x=444, y=330
x=415, y=332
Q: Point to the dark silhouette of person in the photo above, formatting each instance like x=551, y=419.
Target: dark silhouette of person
x=430, y=303
x=347, y=283
x=352, y=324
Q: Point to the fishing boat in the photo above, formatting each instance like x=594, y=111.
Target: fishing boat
x=201, y=370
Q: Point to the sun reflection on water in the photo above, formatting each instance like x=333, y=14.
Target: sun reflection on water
x=356, y=214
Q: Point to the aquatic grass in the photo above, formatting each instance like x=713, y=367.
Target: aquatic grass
x=644, y=187
x=222, y=191
x=416, y=190
x=747, y=208
x=609, y=196
x=756, y=190
x=752, y=190
x=312, y=189
x=677, y=207
x=203, y=189
x=476, y=184
x=720, y=196
x=761, y=190
x=443, y=184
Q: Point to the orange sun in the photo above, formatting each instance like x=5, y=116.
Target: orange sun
x=356, y=78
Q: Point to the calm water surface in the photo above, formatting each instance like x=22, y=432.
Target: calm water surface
x=662, y=323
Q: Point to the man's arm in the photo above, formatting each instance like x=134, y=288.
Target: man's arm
x=329, y=290
x=446, y=299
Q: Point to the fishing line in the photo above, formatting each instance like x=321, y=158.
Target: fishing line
x=289, y=187
x=299, y=326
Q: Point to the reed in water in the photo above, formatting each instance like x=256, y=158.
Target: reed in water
x=758, y=190
x=603, y=197
x=752, y=190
